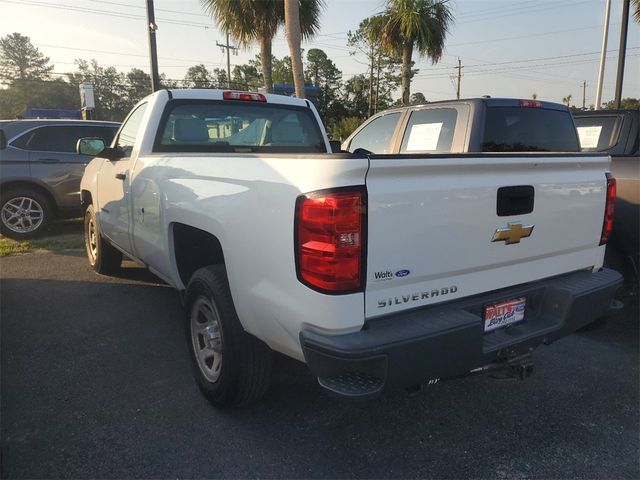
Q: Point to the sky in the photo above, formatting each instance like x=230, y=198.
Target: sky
x=507, y=48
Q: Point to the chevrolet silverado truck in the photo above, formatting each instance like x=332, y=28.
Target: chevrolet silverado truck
x=377, y=270
x=617, y=133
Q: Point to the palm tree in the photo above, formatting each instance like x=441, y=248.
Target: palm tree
x=294, y=37
x=259, y=20
x=636, y=10
x=567, y=100
x=415, y=24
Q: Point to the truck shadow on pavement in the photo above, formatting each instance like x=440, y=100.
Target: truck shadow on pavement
x=96, y=382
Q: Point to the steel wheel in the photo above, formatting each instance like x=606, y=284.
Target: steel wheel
x=92, y=239
x=22, y=215
x=206, y=336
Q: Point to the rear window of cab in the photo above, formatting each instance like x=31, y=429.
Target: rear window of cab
x=517, y=129
x=238, y=126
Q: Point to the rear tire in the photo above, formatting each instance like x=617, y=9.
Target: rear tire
x=24, y=213
x=232, y=368
x=103, y=257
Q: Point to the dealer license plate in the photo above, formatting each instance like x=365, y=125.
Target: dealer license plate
x=501, y=314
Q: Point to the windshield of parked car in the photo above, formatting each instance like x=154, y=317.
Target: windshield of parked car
x=518, y=129
x=237, y=126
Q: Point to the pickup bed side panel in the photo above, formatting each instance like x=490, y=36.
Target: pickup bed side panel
x=432, y=220
x=247, y=201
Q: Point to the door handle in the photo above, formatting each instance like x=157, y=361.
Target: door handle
x=517, y=200
x=50, y=160
x=121, y=176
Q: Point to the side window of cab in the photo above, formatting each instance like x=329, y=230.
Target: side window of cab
x=129, y=131
x=376, y=136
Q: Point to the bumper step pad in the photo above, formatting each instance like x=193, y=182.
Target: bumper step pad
x=353, y=384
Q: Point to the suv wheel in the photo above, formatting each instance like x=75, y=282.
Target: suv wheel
x=24, y=213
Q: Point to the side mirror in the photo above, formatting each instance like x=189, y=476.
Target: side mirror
x=91, y=146
x=335, y=146
x=3, y=140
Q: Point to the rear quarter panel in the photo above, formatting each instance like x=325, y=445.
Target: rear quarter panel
x=248, y=202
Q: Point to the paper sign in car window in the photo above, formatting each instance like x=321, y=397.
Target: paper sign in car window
x=589, y=136
x=424, y=136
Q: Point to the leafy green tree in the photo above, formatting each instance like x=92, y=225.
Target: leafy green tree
x=418, y=98
x=344, y=127
x=109, y=89
x=259, y=20
x=323, y=73
x=198, y=77
x=54, y=94
x=166, y=82
x=625, y=104
x=245, y=77
x=20, y=60
x=367, y=39
x=138, y=85
x=420, y=25
x=354, y=96
x=220, y=77
x=22, y=68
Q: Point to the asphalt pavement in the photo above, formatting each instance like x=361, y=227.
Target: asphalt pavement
x=96, y=382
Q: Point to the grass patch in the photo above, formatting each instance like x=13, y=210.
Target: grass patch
x=62, y=235
x=11, y=247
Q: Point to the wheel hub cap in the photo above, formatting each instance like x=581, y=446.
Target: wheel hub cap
x=22, y=215
x=207, y=338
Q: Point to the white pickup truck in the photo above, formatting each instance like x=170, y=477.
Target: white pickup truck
x=376, y=270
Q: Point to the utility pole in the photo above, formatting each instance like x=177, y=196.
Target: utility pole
x=622, y=51
x=459, y=67
x=153, y=52
x=603, y=54
x=228, y=48
x=584, y=94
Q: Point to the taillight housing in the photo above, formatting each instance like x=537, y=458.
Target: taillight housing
x=609, y=210
x=330, y=240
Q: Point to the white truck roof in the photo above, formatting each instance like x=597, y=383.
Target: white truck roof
x=216, y=94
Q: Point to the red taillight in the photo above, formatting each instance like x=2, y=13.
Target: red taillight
x=244, y=96
x=330, y=239
x=609, y=209
x=530, y=104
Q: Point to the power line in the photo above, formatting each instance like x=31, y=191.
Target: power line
x=532, y=9
x=542, y=34
x=130, y=16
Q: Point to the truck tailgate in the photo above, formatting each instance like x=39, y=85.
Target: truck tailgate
x=431, y=221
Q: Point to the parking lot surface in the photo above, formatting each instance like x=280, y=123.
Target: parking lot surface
x=96, y=382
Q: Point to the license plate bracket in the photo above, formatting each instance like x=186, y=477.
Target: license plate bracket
x=502, y=314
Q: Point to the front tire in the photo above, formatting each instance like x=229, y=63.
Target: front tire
x=232, y=368
x=103, y=257
x=24, y=212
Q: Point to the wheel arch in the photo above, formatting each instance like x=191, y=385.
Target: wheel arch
x=194, y=248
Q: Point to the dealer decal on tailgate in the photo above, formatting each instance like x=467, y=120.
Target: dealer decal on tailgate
x=504, y=313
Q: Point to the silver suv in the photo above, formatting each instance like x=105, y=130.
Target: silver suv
x=40, y=171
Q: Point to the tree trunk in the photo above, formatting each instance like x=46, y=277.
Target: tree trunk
x=407, y=52
x=265, y=60
x=377, y=96
x=294, y=37
x=371, y=60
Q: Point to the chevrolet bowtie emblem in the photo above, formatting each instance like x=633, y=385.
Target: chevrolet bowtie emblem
x=513, y=233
